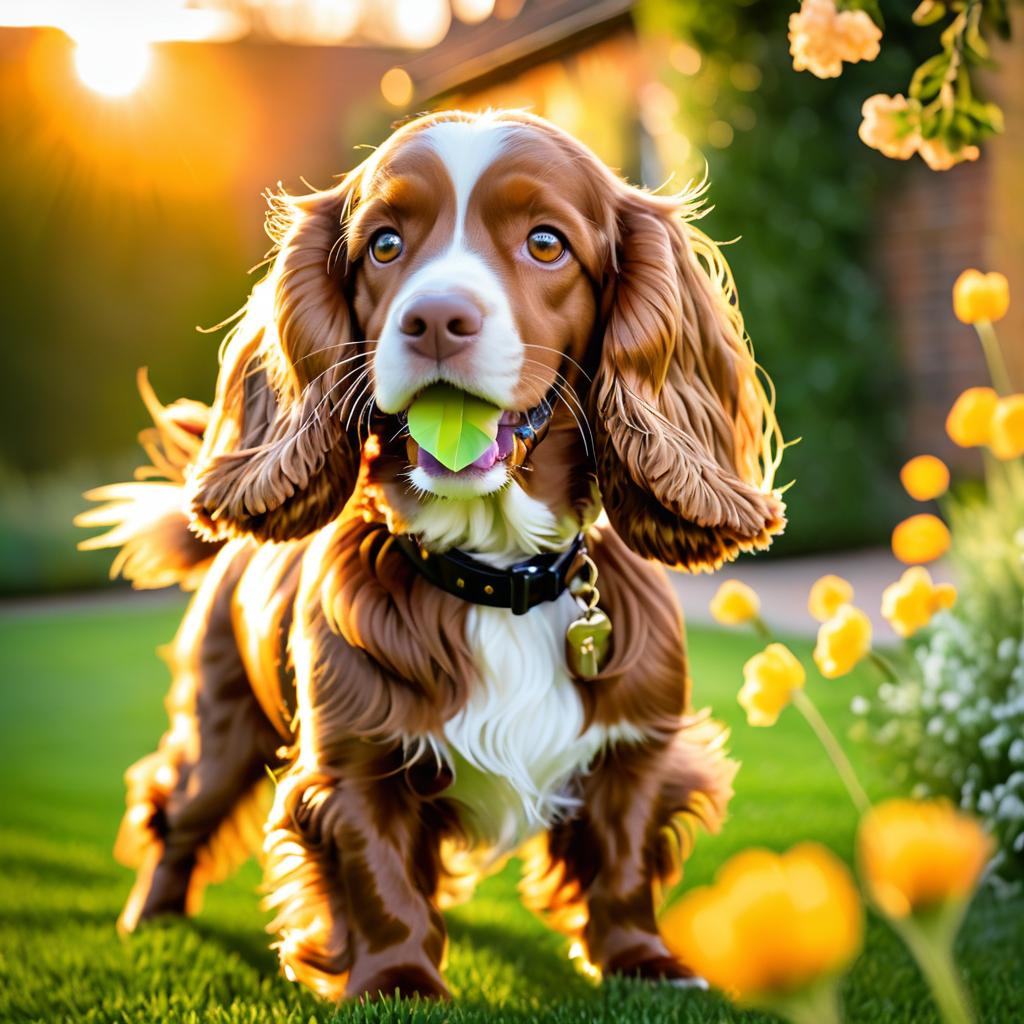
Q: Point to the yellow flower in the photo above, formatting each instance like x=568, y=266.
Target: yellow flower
x=842, y=642
x=770, y=924
x=917, y=855
x=735, y=603
x=1007, y=437
x=969, y=422
x=939, y=157
x=925, y=477
x=911, y=602
x=978, y=296
x=769, y=679
x=821, y=38
x=887, y=126
x=921, y=538
x=828, y=595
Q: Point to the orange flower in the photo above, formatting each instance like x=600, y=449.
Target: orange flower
x=917, y=855
x=843, y=641
x=770, y=925
x=921, y=538
x=887, y=126
x=978, y=296
x=910, y=603
x=1007, y=437
x=939, y=157
x=969, y=422
x=734, y=603
x=769, y=679
x=821, y=38
x=828, y=595
x=925, y=477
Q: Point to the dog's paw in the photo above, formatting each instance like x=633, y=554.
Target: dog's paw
x=407, y=981
x=693, y=981
x=644, y=966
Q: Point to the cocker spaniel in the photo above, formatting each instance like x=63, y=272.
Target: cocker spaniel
x=392, y=517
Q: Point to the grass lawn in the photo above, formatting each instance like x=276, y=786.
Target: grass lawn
x=81, y=699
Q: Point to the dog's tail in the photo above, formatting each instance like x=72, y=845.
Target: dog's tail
x=147, y=518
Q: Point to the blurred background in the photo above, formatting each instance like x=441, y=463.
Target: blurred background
x=137, y=140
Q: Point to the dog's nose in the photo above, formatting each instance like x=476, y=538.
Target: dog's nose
x=440, y=325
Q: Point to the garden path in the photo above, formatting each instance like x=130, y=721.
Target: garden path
x=782, y=584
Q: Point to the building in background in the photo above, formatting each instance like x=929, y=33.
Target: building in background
x=133, y=180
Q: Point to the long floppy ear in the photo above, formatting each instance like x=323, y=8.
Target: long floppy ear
x=686, y=437
x=277, y=460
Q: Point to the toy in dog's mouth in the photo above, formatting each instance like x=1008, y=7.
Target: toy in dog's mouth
x=456, y=435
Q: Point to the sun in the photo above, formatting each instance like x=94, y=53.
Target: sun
x=114, y=65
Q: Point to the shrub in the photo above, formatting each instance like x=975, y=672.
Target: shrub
x=958, y=729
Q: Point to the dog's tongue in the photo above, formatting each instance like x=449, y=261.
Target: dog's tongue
x=432, y=465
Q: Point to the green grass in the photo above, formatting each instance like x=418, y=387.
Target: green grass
x=81, y=699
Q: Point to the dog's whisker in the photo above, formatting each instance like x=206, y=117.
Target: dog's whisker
x=562, y=389
x=565, y=355
x=355, y=403
x=540, y=384
x=314, y=415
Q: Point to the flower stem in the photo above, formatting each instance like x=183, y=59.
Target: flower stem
x=936, y=962
x=816, y=1004
x=761, y=628
x=837, y=756
x=994, y=357
x=885, y=666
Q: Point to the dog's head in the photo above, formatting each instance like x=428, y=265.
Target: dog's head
x=499, y=256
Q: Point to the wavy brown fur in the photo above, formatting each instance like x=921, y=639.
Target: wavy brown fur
x=676, y=406
x=393, y=662
x=277, y=461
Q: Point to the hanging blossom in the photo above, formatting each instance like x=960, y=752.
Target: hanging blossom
x=821, y=38
x=892, y=125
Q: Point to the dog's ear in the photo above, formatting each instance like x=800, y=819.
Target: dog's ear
x=278, y=460
x=685, y=434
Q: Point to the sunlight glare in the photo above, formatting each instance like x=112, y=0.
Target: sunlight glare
x=420, y=23
x=113, y=65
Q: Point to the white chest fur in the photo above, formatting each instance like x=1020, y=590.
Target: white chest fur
x=519, y=740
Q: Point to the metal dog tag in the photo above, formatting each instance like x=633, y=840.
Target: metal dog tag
x=587, y=640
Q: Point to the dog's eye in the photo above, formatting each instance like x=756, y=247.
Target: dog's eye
x=386, y=246
x=545, y=245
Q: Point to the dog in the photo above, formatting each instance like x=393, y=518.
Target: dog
x=388, y=633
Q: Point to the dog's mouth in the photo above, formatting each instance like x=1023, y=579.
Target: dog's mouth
x=471, y=443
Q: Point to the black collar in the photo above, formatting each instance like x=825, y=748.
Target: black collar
x=520, y=587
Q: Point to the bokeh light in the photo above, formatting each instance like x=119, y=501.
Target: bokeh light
x=419, y=23
x=396, y=87
x=472, y=12
x=112, y=64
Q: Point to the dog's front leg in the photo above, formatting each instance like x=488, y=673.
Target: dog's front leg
x=352, y=869
x=623, y=815
x=595, y=876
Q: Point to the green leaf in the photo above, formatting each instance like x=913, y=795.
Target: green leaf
x=988, y=116
x=928, y=12
x=870, y=7
x=927, y=79
x=455, y=427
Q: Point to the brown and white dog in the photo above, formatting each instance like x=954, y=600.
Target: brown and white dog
x=419, y=738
